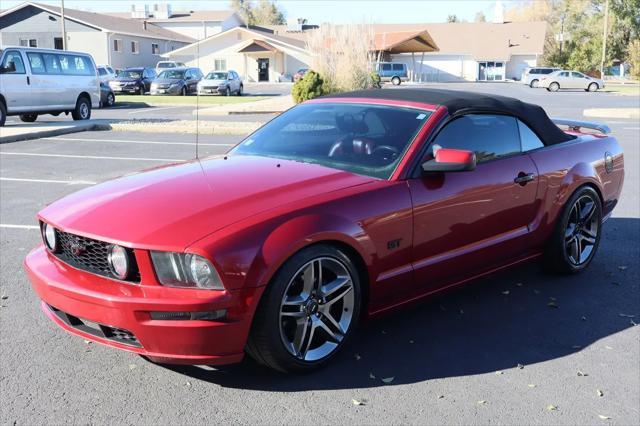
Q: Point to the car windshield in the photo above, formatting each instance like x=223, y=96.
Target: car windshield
x=130, y=74
x=172, y=74
x=359, y=138
x=166, y=65
x=216, y=76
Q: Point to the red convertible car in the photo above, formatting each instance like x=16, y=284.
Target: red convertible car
x=342, y=208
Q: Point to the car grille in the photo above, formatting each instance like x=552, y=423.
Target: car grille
x=115, y=334
x=163, y=86
x=90, y=255
x=209, y=87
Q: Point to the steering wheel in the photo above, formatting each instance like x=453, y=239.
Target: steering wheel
x=386, y=152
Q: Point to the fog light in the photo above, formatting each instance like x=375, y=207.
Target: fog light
x=181, y=316
x=119, y=262
x=50, y=237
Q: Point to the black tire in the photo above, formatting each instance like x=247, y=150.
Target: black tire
x=28, y=118
x=3, y=114
x=183, y=92
x=82, y=110
x=396, y=81
x=111, y=100
x=227, y=91
x=558, y=257
x=266, y=343
x=534, y=83
x=592, y=87
x=553, y=87
x=240, y=90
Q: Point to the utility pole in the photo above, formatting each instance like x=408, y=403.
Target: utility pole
x=64, y=29
x=604, y=39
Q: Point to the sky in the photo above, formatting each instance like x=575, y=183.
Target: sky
x=316, y=11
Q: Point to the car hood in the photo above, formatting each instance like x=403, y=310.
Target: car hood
x=217, y=81
x=167, y=80
x=125, y=80
x=170, y=207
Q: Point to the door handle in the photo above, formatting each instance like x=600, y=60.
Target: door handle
x=523, y=178
x=28, y=80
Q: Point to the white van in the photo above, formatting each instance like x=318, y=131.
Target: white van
x=47, y=81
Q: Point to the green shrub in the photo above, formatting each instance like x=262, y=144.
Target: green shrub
x=308, y=87
x=375, y=81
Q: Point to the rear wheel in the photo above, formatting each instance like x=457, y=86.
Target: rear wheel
x=395, y=81
x=592, y=87
x=553, y=87
x=28, y=118
x=111, y=99
x=82, y=110
x=577, y=234
x=308, y=312
x=3, y=114
x=534, y=83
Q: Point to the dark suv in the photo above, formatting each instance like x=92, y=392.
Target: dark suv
x=133, y=80
x=177, y=81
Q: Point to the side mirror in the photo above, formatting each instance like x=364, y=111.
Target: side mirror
x=450, y=160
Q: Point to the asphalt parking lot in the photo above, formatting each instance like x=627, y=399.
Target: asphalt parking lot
x=494, y=352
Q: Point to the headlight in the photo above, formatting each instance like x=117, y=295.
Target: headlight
x=175, y=84
x=185, y=270
x=49, y=237
x=118, y=259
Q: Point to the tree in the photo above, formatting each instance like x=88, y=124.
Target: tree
x=634, y=58
x=265, y=13
x=452, y=18
x=480, y=17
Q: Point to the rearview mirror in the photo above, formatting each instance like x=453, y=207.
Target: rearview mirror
x=450, y=160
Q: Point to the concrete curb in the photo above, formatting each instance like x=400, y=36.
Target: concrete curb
x=630, y=113
x=56, y=131
x=187, y=127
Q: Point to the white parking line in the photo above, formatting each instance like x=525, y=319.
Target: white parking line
x=6, y=225
x=92, y=157
x=68, y=182
x=631, y=128
x=139, y=142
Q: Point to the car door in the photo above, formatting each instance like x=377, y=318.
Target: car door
x=579, y=80
x=15, y=81
x=465, y=222
x=235, y=81
x=564, y=80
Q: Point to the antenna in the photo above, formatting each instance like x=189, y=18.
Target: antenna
x=197, y=101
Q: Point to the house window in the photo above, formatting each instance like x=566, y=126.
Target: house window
x=220, y=64
x=155, y=48
x=57, y=43
x=117, y=45
x=135, y=47
x=28, y=42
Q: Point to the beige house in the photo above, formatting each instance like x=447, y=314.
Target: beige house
x=256, y=55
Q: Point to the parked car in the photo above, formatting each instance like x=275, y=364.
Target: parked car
x=342, y=208
x=395, y=72
x=107, y=97
x=106, y=73
x=570, y=80
x=299, y=74
x=47, y=81
x=163, y=65
x=222, y=82
x=531, y=76
x=177, y=81
x=135, y=81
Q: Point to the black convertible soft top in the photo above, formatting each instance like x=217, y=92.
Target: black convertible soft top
x=460, y=102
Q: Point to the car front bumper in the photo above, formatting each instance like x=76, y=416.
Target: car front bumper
x=166, y=91
x=125, y=89
x=118, y=314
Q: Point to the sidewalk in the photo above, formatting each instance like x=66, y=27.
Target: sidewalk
x=272, y=105
x=12, y=132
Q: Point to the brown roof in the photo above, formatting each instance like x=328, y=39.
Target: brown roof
x=185, y=15
x=113, y=23
x=404, y=41
x=258, y=46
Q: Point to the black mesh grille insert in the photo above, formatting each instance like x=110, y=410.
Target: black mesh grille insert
x=90, y=255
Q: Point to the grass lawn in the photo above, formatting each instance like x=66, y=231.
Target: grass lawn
x=186, y=100
x=625, y=89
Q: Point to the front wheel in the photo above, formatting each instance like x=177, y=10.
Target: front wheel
x=577, y=234
x=28, y=118
x=240, y=90
x=592, y=87
x=395, y=81
x=82, y=110
x=554, y=87
x=3, y=114
x=308, y=312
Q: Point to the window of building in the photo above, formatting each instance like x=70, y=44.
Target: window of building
x=28, y=42
x=57, y=43
x=155, y=48
x=117, y=45
x=135, y=47
x=489, y=136
x=220, y=64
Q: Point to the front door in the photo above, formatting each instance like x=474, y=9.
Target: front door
x=465, y=222
x=263, y=69
x=15, y=83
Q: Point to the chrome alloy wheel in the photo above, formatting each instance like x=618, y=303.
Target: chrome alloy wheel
x=317, y=309
x=84, y=111
x=582, y=230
